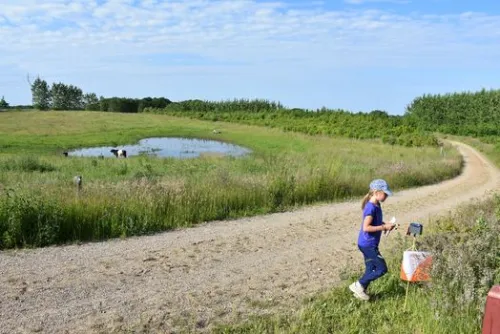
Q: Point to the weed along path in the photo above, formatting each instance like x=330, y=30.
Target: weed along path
x=188, y=280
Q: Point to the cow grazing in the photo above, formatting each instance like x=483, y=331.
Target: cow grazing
x=119, y=153
x=65, y=154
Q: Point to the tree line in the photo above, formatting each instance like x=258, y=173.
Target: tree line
x=470, y=114
x=127, y=105
x=4, y=105
x=376, y=124
x=60, y=96
x=475, y=114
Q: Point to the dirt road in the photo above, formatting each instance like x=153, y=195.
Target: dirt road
x=190, y=279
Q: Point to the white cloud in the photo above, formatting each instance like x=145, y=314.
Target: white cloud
x=60, y=38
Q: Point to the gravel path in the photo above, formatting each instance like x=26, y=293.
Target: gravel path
x=187, y=280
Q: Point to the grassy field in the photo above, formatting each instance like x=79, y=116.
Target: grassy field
x=39, y=204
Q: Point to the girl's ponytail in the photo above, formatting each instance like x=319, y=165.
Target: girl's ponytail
x=366, y=199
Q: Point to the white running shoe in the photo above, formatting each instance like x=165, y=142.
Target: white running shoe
x=359, y=291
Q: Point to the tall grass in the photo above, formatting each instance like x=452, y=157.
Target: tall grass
x=466, y=259
x=148, y=195
x=26, y=164
x=40, y=206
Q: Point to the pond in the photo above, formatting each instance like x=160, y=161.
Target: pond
x=167, y=147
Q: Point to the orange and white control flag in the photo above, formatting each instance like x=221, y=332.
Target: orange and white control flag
x=416, y=266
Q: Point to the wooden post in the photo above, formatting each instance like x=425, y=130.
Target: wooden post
x=78, y=181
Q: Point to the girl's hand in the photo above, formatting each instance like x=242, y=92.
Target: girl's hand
x=388, y=227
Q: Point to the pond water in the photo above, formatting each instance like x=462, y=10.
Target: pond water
x=167, y=147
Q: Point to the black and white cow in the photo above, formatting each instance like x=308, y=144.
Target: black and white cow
x=119, y=153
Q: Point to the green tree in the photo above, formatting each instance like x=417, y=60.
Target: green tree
x=74, y=96
x=90, y=98
x=40, y=94
x=379, y=113
x=66, y=97
x=59, y=93
x=3, y=103
x=103, y=104
x=155, y=102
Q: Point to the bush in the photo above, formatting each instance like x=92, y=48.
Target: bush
x=467, y=261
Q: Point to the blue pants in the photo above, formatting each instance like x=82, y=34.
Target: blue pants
x=375, y=265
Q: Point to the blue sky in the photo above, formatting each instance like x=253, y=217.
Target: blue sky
x=357, y=55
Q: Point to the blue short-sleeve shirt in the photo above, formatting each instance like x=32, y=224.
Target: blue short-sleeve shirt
x=371, y=238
